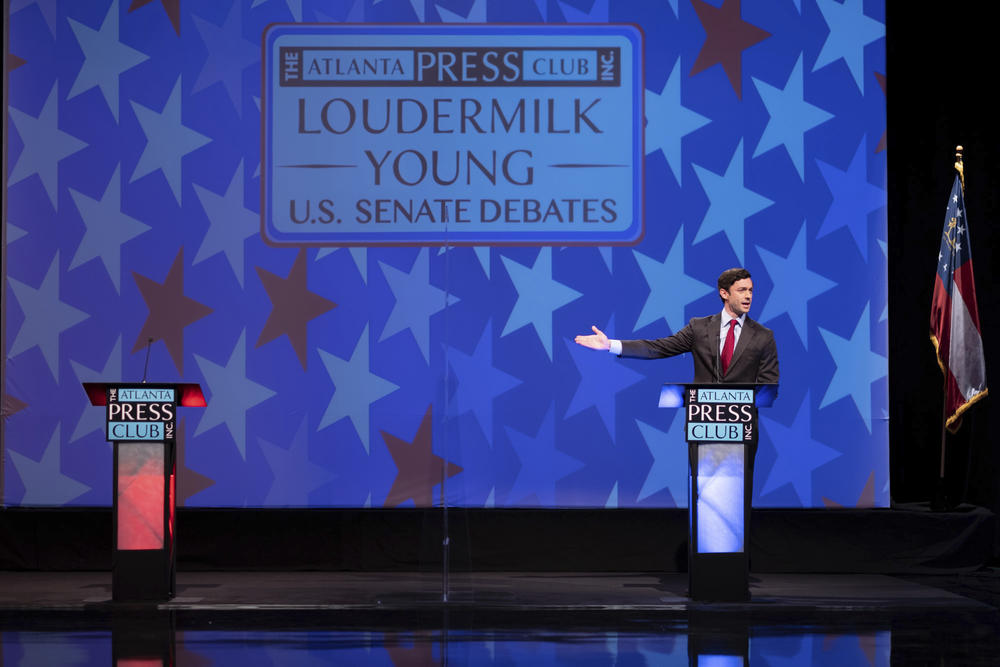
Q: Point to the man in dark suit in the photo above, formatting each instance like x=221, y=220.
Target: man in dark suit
x=726, y=347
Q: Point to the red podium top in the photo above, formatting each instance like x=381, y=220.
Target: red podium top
x=189, y=393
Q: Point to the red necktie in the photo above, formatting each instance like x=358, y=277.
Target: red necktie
x=727, y=349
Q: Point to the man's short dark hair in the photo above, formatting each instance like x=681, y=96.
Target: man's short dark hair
x=730, y=276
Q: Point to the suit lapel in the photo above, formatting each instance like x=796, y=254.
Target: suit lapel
x=713, y=338
x=714, y=322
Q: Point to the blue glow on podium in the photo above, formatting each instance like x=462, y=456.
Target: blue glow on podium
x=720, y=498
x=672, y=396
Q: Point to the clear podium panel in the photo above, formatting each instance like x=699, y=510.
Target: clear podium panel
x=140, y=500
x=720, y=498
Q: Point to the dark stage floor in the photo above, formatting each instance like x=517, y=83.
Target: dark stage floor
x=372, y=592
x=501, y=619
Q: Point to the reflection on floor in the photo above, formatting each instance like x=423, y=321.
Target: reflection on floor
x=500, y=619
x=459, y=648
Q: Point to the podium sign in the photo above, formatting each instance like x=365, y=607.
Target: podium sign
x=720, y=415
x=141, y=413
x=721, y=430
x=140, y=419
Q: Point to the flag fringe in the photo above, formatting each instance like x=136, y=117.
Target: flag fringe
x=955, y=421
x=937, y=353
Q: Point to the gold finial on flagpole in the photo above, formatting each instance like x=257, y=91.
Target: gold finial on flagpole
x=959, y=167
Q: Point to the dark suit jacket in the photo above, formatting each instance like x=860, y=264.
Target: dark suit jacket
x=755, y=358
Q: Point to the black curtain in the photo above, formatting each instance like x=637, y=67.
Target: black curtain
x=941, y=63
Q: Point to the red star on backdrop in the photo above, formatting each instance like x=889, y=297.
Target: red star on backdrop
x=420, y=469
x=418, y=653
x=292, y=306
x=171, y=7
x=11, y=405
x=185, y=655
x=867, y=641
x=727, y=36
x=13, y=62
x=881, y=142
x=169, y=311
x=869, y=646
x=189, y=481
x=865, y=500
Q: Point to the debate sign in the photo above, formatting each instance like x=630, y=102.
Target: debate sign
x=427, y=135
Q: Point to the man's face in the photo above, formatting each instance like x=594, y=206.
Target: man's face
x=738, y=297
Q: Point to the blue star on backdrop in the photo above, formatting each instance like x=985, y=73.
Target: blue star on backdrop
x=850, y=31
x=232, y=393
x=108, y=227
x=670, y=288
x=105, y=58
x=857, y=367
x=794, y=285
x=356, y=388
x=46, y=317
x=168, y=140
x=791, y=117
x=854, y=197
x=45, y=146
x=669, y=121
x=538, y=295
x=730, y=203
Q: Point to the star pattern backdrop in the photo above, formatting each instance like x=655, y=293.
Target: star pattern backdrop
x=376, y=377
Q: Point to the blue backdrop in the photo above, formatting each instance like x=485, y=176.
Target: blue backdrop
x=362, y=376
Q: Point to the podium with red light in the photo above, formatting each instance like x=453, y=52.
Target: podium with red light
x=141, y=421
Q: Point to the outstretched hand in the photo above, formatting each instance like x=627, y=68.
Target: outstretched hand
x=595, y=341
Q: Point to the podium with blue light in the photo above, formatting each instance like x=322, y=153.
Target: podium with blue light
x=141, y=421
x=720, y=425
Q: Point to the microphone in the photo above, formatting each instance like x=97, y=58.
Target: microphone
x=145, y=368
